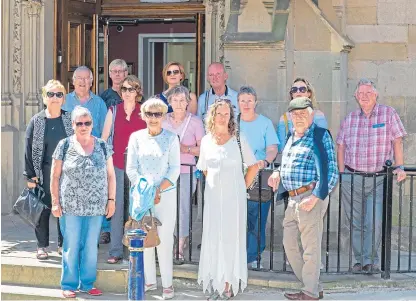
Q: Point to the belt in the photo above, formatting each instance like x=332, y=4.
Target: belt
x=302, y=189
x=364, y=173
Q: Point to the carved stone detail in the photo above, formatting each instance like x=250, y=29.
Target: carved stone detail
x=6, y=99
x=33, y=7
x=269, y=5
x=17, y=46
x=282, y=64
x=337, y=65
x=243, y=4
x=221, y=29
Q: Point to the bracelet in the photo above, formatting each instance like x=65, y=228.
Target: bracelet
x=189, y=149
x=111, y=200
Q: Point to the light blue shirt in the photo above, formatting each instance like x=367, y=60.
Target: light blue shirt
x=95, y=105
x=210, y=94
x=260, y=134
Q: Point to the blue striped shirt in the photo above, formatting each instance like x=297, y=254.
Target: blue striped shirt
x=300, y=163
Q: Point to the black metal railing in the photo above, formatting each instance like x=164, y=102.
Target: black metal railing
x=337, y=243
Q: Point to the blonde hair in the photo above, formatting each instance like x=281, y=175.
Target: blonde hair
x=165, y=70
x=133, y=81
x=153, y=103
x=310, y=90
x=51, y=84
x=212, y=112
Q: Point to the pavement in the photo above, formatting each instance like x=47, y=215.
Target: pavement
x=25, y=277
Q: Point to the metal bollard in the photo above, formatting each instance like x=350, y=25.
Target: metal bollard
x=135, y=289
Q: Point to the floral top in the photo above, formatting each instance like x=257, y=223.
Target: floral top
x=83, y=187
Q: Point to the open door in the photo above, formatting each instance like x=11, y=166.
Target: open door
x=76, y=38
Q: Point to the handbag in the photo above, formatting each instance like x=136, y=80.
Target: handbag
x=149, y=225
x=29, y=205
x=258, y=191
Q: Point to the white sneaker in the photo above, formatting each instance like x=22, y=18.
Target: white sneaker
x=168, y=293
x=254, y=265
x=150, y=287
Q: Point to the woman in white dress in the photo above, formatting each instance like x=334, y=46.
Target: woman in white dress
x=154, y=153
x=223, y=261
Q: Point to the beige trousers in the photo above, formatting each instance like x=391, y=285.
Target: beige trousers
x=310, y=226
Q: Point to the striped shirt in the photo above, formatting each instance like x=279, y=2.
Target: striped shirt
x=369, y=141
x=301, y=161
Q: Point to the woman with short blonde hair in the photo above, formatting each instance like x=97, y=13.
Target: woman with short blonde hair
x=153, y=153
x=173, y=75
x=43, y=133
x=223, y=260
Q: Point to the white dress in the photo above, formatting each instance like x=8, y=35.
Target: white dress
x=223, y=254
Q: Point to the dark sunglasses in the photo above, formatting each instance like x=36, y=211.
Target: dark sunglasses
x=125, y=89
x=86, y=123
x=174, y=72
x=300, y=89
x=57, y=94
x=153, y=114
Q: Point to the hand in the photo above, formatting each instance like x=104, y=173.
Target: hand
x=274, y=180
x=56, y=210
x=31, y=184
x=308, y=203
x=401, y=174
x=261, y=164
x=184, y=148
x=157, y=196
x=110, y=208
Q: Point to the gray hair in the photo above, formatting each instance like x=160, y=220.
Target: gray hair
x=118, y=62
x=153, y=103
x=80, y=112
x=178, y=90
x=247, y=90
x=82, y=68
x=365, y=82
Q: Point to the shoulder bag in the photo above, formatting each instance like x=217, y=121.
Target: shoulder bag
x=259, y=190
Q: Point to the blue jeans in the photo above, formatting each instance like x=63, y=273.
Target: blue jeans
x=106, y=225
x=253, y=229
x=79, y=254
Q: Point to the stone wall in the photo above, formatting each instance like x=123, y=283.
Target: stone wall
x=384, y=33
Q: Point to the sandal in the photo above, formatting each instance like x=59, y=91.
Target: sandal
x=227, y=295
x=42, y=254
x=114, y=259
x=68, y=294
x=214, y=296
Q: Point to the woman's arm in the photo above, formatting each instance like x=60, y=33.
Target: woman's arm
x=193, y=104
x=251, y=174
x=29, y=171
x=107, y=125
x=56, y=171
x=111, y=179
x=174, y=168
x=132, y=163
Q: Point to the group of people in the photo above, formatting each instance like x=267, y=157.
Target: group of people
x=75, y=151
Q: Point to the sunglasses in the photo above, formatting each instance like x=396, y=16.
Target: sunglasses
x=173, y=72
x=300, y=89
x=125, y=89
x=153, y=114
x=86, y=123
x=57, y=94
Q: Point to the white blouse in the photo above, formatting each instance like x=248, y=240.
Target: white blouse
x=154, y=157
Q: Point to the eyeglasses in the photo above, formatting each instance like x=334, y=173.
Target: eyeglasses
x=57, y=94
x=153, y=114
x=173, y=72
x=118, y=71
x=300, y=115
x=87, y=79
x=124, y=89
x=300, y=89
x=86, y=123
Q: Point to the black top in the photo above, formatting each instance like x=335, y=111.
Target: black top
x=111, y=97
x=54, y=132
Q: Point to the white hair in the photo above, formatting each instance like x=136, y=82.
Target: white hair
x=118, y=62
x=365, y=82
x=82, y=68
x=310, y=110
x=80, y=112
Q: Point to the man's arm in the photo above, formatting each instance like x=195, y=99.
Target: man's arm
x=340, y=157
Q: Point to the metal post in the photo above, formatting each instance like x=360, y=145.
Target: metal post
x=135, y=289
x=126, y=205
x=387, y=221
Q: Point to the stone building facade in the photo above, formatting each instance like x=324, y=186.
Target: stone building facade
x=264, y=43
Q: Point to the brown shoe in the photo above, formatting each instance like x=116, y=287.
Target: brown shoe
x=301, y=296
x=357, y=268
x=371, y=269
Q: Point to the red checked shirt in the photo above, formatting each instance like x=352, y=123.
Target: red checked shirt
x=123, y=129
x=369, y=141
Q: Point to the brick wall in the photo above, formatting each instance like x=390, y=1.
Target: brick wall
x=384, y=32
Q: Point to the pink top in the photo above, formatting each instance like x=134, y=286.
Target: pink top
x=369, y=141
x=193, y=133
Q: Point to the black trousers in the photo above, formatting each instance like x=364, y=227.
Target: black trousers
x=42, y=230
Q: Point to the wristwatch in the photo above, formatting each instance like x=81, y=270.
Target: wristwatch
x=400, y=167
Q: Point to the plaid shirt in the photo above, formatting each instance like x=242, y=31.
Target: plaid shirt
x=368, y=141
x=299, y=162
